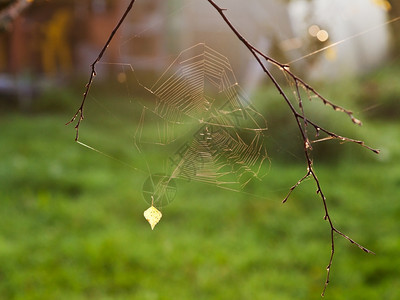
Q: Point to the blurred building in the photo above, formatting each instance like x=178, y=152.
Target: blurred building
x=62, y=38
x=56, y=40
x=53, y=37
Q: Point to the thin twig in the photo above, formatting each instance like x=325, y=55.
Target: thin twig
x=303, y=130
x=93, y=71
x=339, y=137
x=12, y=11
x=286, y=69
x=296, y=185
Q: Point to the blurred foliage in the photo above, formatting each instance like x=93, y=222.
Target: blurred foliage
x=72, y=223
x=394, y=12
x=56, y=100
x=379, y=94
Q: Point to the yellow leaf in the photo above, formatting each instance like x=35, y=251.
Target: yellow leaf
x=153, y=216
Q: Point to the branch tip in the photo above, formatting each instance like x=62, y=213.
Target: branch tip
x=93, y=70
x=356, y=121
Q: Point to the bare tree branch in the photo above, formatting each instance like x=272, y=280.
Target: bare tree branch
x=12, y=11
x=93, y=71
x=303, y=129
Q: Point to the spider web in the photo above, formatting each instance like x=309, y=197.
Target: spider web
x=194, y=124
x=225, y=146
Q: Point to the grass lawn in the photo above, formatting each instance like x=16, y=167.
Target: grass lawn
x=72, y=223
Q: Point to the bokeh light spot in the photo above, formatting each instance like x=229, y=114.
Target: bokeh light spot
x=322, y=35
x=313, y=30
x=121, y=77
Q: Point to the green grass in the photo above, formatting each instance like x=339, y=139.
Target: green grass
x=72, y=223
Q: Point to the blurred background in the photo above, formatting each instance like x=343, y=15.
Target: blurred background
x=71, y=217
